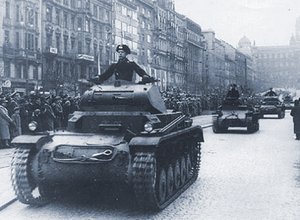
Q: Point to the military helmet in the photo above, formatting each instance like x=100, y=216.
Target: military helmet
x=123, y=47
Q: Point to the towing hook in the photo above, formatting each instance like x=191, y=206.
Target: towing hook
x=105, y=153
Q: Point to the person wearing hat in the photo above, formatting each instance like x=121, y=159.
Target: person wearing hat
x=5, y=122
x=233, y=92
x=123, y=69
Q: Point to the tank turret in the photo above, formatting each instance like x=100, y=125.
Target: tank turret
x=143, y=98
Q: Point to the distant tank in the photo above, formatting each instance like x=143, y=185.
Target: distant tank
x=232, y=113
x=122, y=134
x=271, y=105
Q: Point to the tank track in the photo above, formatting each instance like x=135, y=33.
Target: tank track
x=22, y=181
x=145, y=175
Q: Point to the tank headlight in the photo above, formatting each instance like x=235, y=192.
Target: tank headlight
x=148, y=127
x=32, y=126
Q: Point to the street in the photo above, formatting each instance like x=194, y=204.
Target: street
x=242, y=176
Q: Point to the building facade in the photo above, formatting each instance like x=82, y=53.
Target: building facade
x=76, y=37
x=58, y=45
x=20, y=45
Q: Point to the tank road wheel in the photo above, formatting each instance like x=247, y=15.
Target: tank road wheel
x=183, y=171
x=189, y=168
x=25, y=187
x=170, y=180
x=177, y=175
x=162, y=186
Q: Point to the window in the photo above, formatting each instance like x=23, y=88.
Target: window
x=66, y=71
x=79, y=47
x=18, y=13
x=49, y=13
x=88, y=46
x=118, y=24
x=95, y=11
x=65, y=44
x=73, y=22
x=148, y=38
x=106, y=15
x=65, y=20
x=35, y=73
x=6, y=36
x=124, y=10
x=48, y=40
x=18, y=71
x=79, y=3
x=6, y=68
x=58, y=43
x=66, y=2
x=17, y=40
x=57, y=17
x=95, y=29
x=30, y=16
x=72, y=43
x=7, y=9
x=95, y=50
x=36, y=19
x=73, y=4
x=79, y=24
x=87, y=25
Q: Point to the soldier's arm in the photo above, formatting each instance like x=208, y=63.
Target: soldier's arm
x=139, y=70
x=107, y=74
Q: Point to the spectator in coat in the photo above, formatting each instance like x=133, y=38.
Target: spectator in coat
x=58, y=112
x=16, y=130
x=295, y=112
x=5, y=122
x=47, y=115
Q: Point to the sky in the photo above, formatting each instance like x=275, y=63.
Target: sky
x=267, y=22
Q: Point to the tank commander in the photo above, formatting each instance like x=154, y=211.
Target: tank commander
x=271, y=93
x=233, y=92
x=123, y=69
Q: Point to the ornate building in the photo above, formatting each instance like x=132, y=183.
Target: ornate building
x=76, y=37
x=20, y=45
x=279, y=66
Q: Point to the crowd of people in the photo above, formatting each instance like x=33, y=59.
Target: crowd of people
x=49, y=111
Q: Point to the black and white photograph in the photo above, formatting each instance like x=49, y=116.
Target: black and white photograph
x=150, y=109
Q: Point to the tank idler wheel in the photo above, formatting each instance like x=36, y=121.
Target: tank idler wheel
x=162, y=186
x=23, y=183
x=189, y=168
x=170, y=180
x=177, y=175
x=183, y=171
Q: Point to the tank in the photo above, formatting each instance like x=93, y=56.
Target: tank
x=122, y=134
x=232, y=113
x=271, y=105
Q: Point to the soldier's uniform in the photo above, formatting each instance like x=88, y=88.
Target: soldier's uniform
x=123, y=69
